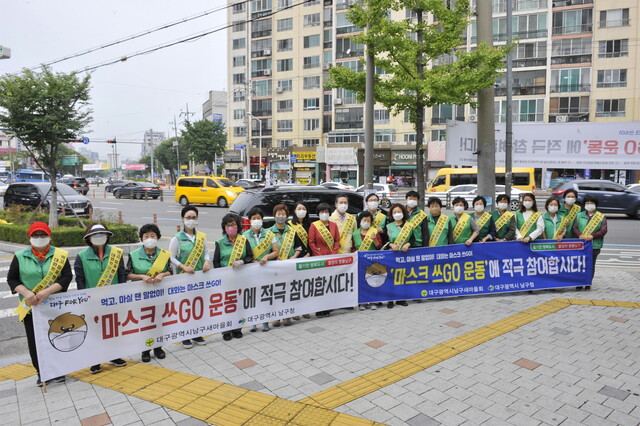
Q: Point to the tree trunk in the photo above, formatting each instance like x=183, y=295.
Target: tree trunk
x=421, y=158
x=53, y=206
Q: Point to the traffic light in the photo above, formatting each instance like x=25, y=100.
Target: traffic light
x=112, y=140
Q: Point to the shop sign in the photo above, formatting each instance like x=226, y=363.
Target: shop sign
x=233, y=156
x=341, y=156
x=303, y=157
x=380, y=157
x=403, y=158
x=278, y=154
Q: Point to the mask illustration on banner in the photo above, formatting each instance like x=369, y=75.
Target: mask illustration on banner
x=376, y=275
x=67, y=332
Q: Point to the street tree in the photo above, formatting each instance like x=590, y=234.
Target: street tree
x=45, y=109
x=166, y=156
x=203, y=140
x=423, y=63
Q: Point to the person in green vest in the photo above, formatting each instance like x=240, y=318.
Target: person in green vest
x=591, y=225
x=234, y=250
x=26, y=276
x=570, y=208
x=552, y=220
x=366, y=238
x=372, y=205
x=98, y=265
x=529, y=224
x=464, y=228
x=190, y=253
x=418, y=219
x=300, y=224
x=440, y=230
x=504, y=220
x=397, y=221
x=484, y=220
x=149, y=264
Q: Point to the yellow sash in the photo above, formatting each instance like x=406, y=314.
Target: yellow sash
x=159, y=264
x=198, y=250
x=403, y=236
x=593, y=223
x=262, y=247
x=437, y=230
x=377, y=221
x=112, y=267
x=503, y=220
x=368, y=239
x=462, y=222
x=324, y=232
x=302, y=233
x=347, y=229
x=575, y=209
x=483, y=220
x=417, y=219
x=529, y=223
x=238, y=247
x=55, y=268
x=287, y=243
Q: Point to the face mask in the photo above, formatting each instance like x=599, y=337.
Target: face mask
x=324, y=217
x=570, y=201
x=458, y=209
x=281, y=220
x=190, y=223
x=398, y=216
x=527, y=204
x=365, y=225
x=39, y=242
x=412, y=203
x=231, y=230
x=301, y=213
x=150, y=243
x=256, y=224
x=479, y=208
x=553, y=209
x=99, y=240
x=373, y=205
x=503, y=206
x=343, y=207
x=589, y=207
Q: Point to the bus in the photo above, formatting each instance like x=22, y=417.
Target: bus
x=28, y=175
x=522, y=178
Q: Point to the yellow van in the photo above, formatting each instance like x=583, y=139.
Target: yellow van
x=523, y=178
x=206, y=190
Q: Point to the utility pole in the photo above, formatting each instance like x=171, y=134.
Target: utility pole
x=508, y=144
x=187, y=115
x=368, y=121
x=151, y=136
x=176, y=144
x=486, y=120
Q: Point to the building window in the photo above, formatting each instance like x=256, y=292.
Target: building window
x=311, y=124
x=614, y=18
x=311, y=41
x=260, y=7
x=311, y=2
x=327, y=102
x=239, y=43
x=349, y=118
x=260, y=48
x=238, y=95
x=285, y=106
x=409, y=138
x=238, y=7
x=572, y=108
x=570, y=80
x=261, y=107
x=571, y=51
x=285, y=64
x=285, y=125
x=284, y=143
x=312, y=20
x=284, y=4
x=311, y=82
x=610, y=107
x=238, y=78
x=311, y=104
x=285, y=24
x=612, y=78
x=261, y=67
x=381, y=116
x=310, y=142
x=239, y=131
x=261, y=28
x=530, y=110
x=347, y=48
x=285, y=45
x=613, y=48
x=262, y=88
x=311, y=62
x=239, y=26
x=383, y=137
x=438, y=135
x=285, y=85
x=441, y=113
x=239, y=61
x=238, y=114
x=573, y=21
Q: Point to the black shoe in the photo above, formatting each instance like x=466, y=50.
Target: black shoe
x=59, y=379
x=187, y=344
x=199, y=341
x=227, y=336
x=38, y=383
x=319, y=314
x=159, y=353
x=95, y=369
x=118, y=362
x=146, y=356
x=237, y=334
x=402, y=303
x=390, y=305
x=327, y=313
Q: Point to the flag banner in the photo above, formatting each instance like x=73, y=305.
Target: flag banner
x=82, y=328
x=460, y=270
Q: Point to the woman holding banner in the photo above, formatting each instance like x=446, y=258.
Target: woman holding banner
x=232, y=250
x=300, y=224
x=324, y=238
x=439, y=226
x=366, y=238
x=505, y=221
x=591, y=225
x=149, y=264
x=400, y=235
x=190, y=253
x=99, y=265
x=35, y=274
x=484, y=220
x=554, y=224
x=529, y=224
x=464, y=226
x=569, y=209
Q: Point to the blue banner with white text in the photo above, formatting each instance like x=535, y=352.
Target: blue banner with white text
x=460, y=270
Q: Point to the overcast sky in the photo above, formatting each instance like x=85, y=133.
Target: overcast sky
x=129, y=97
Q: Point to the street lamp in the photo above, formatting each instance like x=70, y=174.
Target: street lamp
x=260, y=144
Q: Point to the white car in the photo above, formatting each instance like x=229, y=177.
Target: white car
x=384, y=191
x=469, y=192
x=3, y=188
x=337, y=185
x=634, y=187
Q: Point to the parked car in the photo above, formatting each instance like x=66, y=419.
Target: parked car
x=3, y=188
x=248, y=183
x=206, y=190
x=613, y=197
x=469, y=192
x=138, y=190
x=337, y=185
x=311, y=196
x=29, y=194
x=80, y=184
x=94, y=180
x=116, y=184
x=634, y=187
x=385, y=191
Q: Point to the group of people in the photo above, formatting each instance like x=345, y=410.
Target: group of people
x=42, y=269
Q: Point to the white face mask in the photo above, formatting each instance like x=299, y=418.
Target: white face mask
x=458, y=209
x=570, y=201
x=503, y=206
x=190, y=223
x=256, y=224
x=373, y=205
x=590, y=207
x=412, y=203
x=365, y=225
x=478, y=208
x=39, y=242
x=527, y=204
x=150, y=243
x=343, y=207
x=553, y=209
x=324, y=216
x=99, y=240
x=398, y=216
x=301, y=213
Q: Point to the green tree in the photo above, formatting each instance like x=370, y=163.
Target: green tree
x=202, y=140
x=166, y=156
x=45, y=109
x=408, y=51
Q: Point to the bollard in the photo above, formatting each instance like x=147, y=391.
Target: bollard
x=105, y=194
x=91, y=214
x=155, y=219
x=63, y=211
x=162, y=197
x=94, y=193
x=146, y=196
x=120, y=216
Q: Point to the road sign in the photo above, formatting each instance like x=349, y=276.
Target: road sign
x=238, y=146
x=293, y=158
x=85, y=140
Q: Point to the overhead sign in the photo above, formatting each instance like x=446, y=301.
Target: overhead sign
x=552, y=145
x=134, y=167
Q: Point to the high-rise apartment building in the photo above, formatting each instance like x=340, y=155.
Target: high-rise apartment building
x=151, y=140
x=576, y=60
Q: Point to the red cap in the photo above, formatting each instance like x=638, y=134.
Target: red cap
x=39, y=226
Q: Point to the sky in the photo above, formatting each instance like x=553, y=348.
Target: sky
x=127, y=98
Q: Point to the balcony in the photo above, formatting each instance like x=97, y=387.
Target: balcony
x=572, y=29
x=565, y=3
x=529, y=62
x=564, y=88
x=573, y=117
x=443, y=120
x=573, y=59
x=521, y=90
x=612, y=24
x=520, y=5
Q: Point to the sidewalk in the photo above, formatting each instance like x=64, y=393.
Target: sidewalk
x=565, y=358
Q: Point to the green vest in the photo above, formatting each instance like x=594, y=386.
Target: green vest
x=564, y=211
x=520, y=221
x=30, y=268
x=186, y=245
x=502, y=233
x=417, y=231
x=484, y=230
x=249, y=235
x=226, y=247
x=93, y=267
x=583, y=220
x=141, y=263
x=431, y=224
x=466, y=231
x=382, y=224
x=549, y=227
x=357, y=241
x=280, y=238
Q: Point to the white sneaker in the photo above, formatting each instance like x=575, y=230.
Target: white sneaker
x=374, y=306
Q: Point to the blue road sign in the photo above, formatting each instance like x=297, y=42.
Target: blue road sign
x=85, y=140
x=238, y=146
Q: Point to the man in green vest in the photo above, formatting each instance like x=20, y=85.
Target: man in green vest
x=591, y=225
x=418, y=220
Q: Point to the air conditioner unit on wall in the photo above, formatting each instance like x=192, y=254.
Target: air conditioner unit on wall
x=279, y=89
x=473, y=118
x=562, y=118
x=337, y=101
x=327, y=65
x=266, y=72
x=266, y=52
